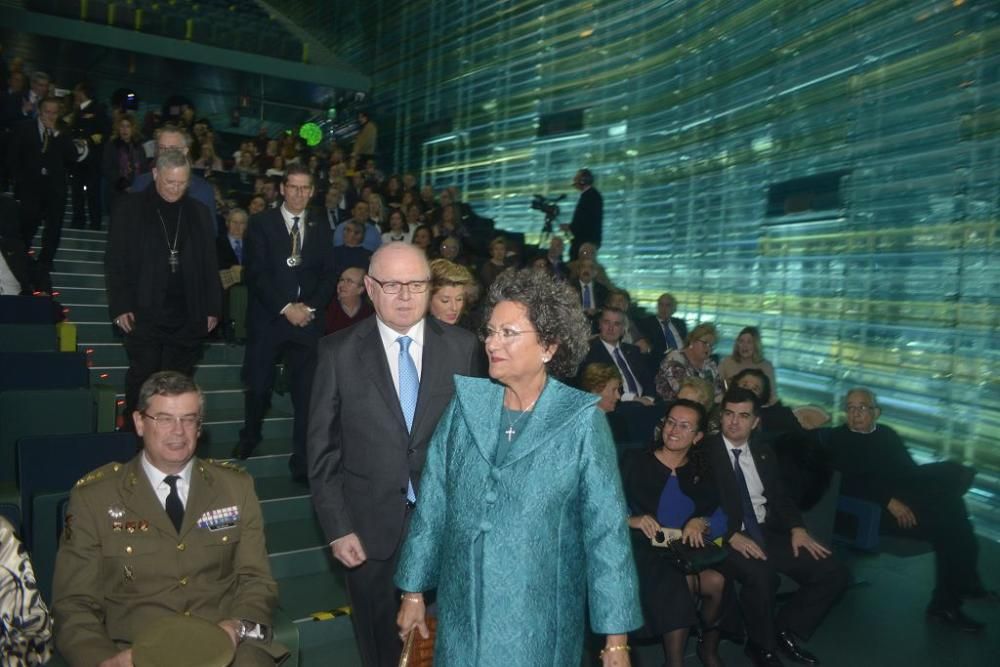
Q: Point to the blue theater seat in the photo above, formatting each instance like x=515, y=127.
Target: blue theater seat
x=43, y=370
x=26, y=310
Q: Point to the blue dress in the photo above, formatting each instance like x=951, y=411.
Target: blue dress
x=673, y=497
x=516, y=544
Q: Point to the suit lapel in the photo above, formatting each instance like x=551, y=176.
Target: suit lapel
x=376, y=367
x=433, y=374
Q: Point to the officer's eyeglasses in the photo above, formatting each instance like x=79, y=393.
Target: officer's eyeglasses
x=166, y=422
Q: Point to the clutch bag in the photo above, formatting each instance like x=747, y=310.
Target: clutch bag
x=417, y=651
x=692, y=560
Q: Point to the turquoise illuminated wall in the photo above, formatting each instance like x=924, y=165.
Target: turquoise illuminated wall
x=691, y=111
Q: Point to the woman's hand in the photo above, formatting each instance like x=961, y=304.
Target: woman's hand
x=646, y=523
x=616, y=652
x=694, y=531
x=412, y=614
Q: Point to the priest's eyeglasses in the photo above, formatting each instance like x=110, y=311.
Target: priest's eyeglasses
x=167, y=422
x=395, y=287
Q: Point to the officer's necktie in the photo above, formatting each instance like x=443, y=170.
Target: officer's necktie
x=238, y=249
x=587, y=300
x=669, y=336
x=46, y=139
x=749, y=516
x=409, y=387
x=174, y=507
x=630, y=382
x=296, y=244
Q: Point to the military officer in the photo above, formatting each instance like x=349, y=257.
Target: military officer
x=161, y=535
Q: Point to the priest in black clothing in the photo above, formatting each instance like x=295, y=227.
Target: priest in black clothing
x=164, y=291
x=924, y=502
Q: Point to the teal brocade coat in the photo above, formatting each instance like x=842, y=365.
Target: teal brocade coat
x=517, y=550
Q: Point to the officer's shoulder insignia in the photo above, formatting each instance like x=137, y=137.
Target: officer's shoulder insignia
x=225, y=464
x=108, y=470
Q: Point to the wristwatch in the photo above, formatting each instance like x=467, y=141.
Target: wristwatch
x=251, y=630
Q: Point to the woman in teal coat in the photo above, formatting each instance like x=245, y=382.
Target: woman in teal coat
x=521, y=518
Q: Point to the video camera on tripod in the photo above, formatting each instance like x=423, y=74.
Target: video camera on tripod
x=549, y=207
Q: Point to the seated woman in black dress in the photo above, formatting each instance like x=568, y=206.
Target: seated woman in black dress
x=668, y=486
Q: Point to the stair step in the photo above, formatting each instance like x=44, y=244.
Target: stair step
x=84, y=295
x=293, y=534
x=113, y=354
x=225, y=425
x=213, y=447
x=289, y=564
x=279, y=487
x=78, y=266
x=232, y=399
x=94, y=278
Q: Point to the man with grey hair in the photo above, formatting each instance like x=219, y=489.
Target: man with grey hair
x=174, y=138
x=162, y=535
x=162, y=275
x=924, y=502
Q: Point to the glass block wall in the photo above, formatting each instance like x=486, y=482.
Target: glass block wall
x=692, y=111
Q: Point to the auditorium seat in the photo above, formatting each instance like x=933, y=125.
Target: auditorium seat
x=43, y=370
x=28, y=338
x=26, y=310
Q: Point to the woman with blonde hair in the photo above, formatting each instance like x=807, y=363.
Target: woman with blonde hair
x=748, y=352
x=604, y=380
x=448, y=285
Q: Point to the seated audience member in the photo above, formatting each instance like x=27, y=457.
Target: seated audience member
x=748, y=352
x=496, y=264
x=332, y=201
x=702, y=391
x=376, y=211
x=694, y=360
x=450, y=248
x=134, y=530
x=448, y=283
x=393, y=191
x=592, y=293
x=256, y=204
x=620, y=299
x=588, y=251
x=174, y=138
x=664, y=331
x=371, y=235
x=608, y=348
x=277, y=168
x=351, y=252
x=207, y=159
x=669, y=486
x=541, y=264
x=272, y=191
x=350, y=305
x=605, y=380
x=428, y=202
x=246, y=165
x=554, y=258
x=423, y=236
x=415, y=217
x=925, y=502
x=767, y=535
x=399, y=230
x=230, y=247
x=804, y=463
x=449, y=223
x=25, y=624
x=123, y=157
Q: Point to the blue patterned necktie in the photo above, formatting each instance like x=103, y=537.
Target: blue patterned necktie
x=749, y=516
x=409, y=387
x=587, y=301
x=630, y=382
x=668, y=336
x=238, y=249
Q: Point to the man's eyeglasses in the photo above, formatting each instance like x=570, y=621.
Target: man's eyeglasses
x=506, y=334
x=862, y=409
x=166, y=422
x=395, y=287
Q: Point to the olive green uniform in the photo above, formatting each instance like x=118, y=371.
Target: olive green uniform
x=122, y=565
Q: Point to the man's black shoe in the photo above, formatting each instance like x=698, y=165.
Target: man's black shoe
x=789, y=645
x=243, y=450
x=956, y=618
x=761, y=657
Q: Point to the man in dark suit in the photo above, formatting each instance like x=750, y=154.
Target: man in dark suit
x=637, y=377
x=766, y=535
x=162, y=280
x=91, y=125
x=229, y=247
x=290, y=277
x=380, y=388
x=39, y=158
x=592, y=293
x=588, y=217
x=664, y=331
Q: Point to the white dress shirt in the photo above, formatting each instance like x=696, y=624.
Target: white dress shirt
x=287, y=216
x=161, y=488
x=391, y=347
x=754, y=484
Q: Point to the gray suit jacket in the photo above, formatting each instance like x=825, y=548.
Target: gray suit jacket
x=360, y=454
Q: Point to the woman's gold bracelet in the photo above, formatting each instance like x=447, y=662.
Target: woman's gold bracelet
x=411, y=597
x=619, y=647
